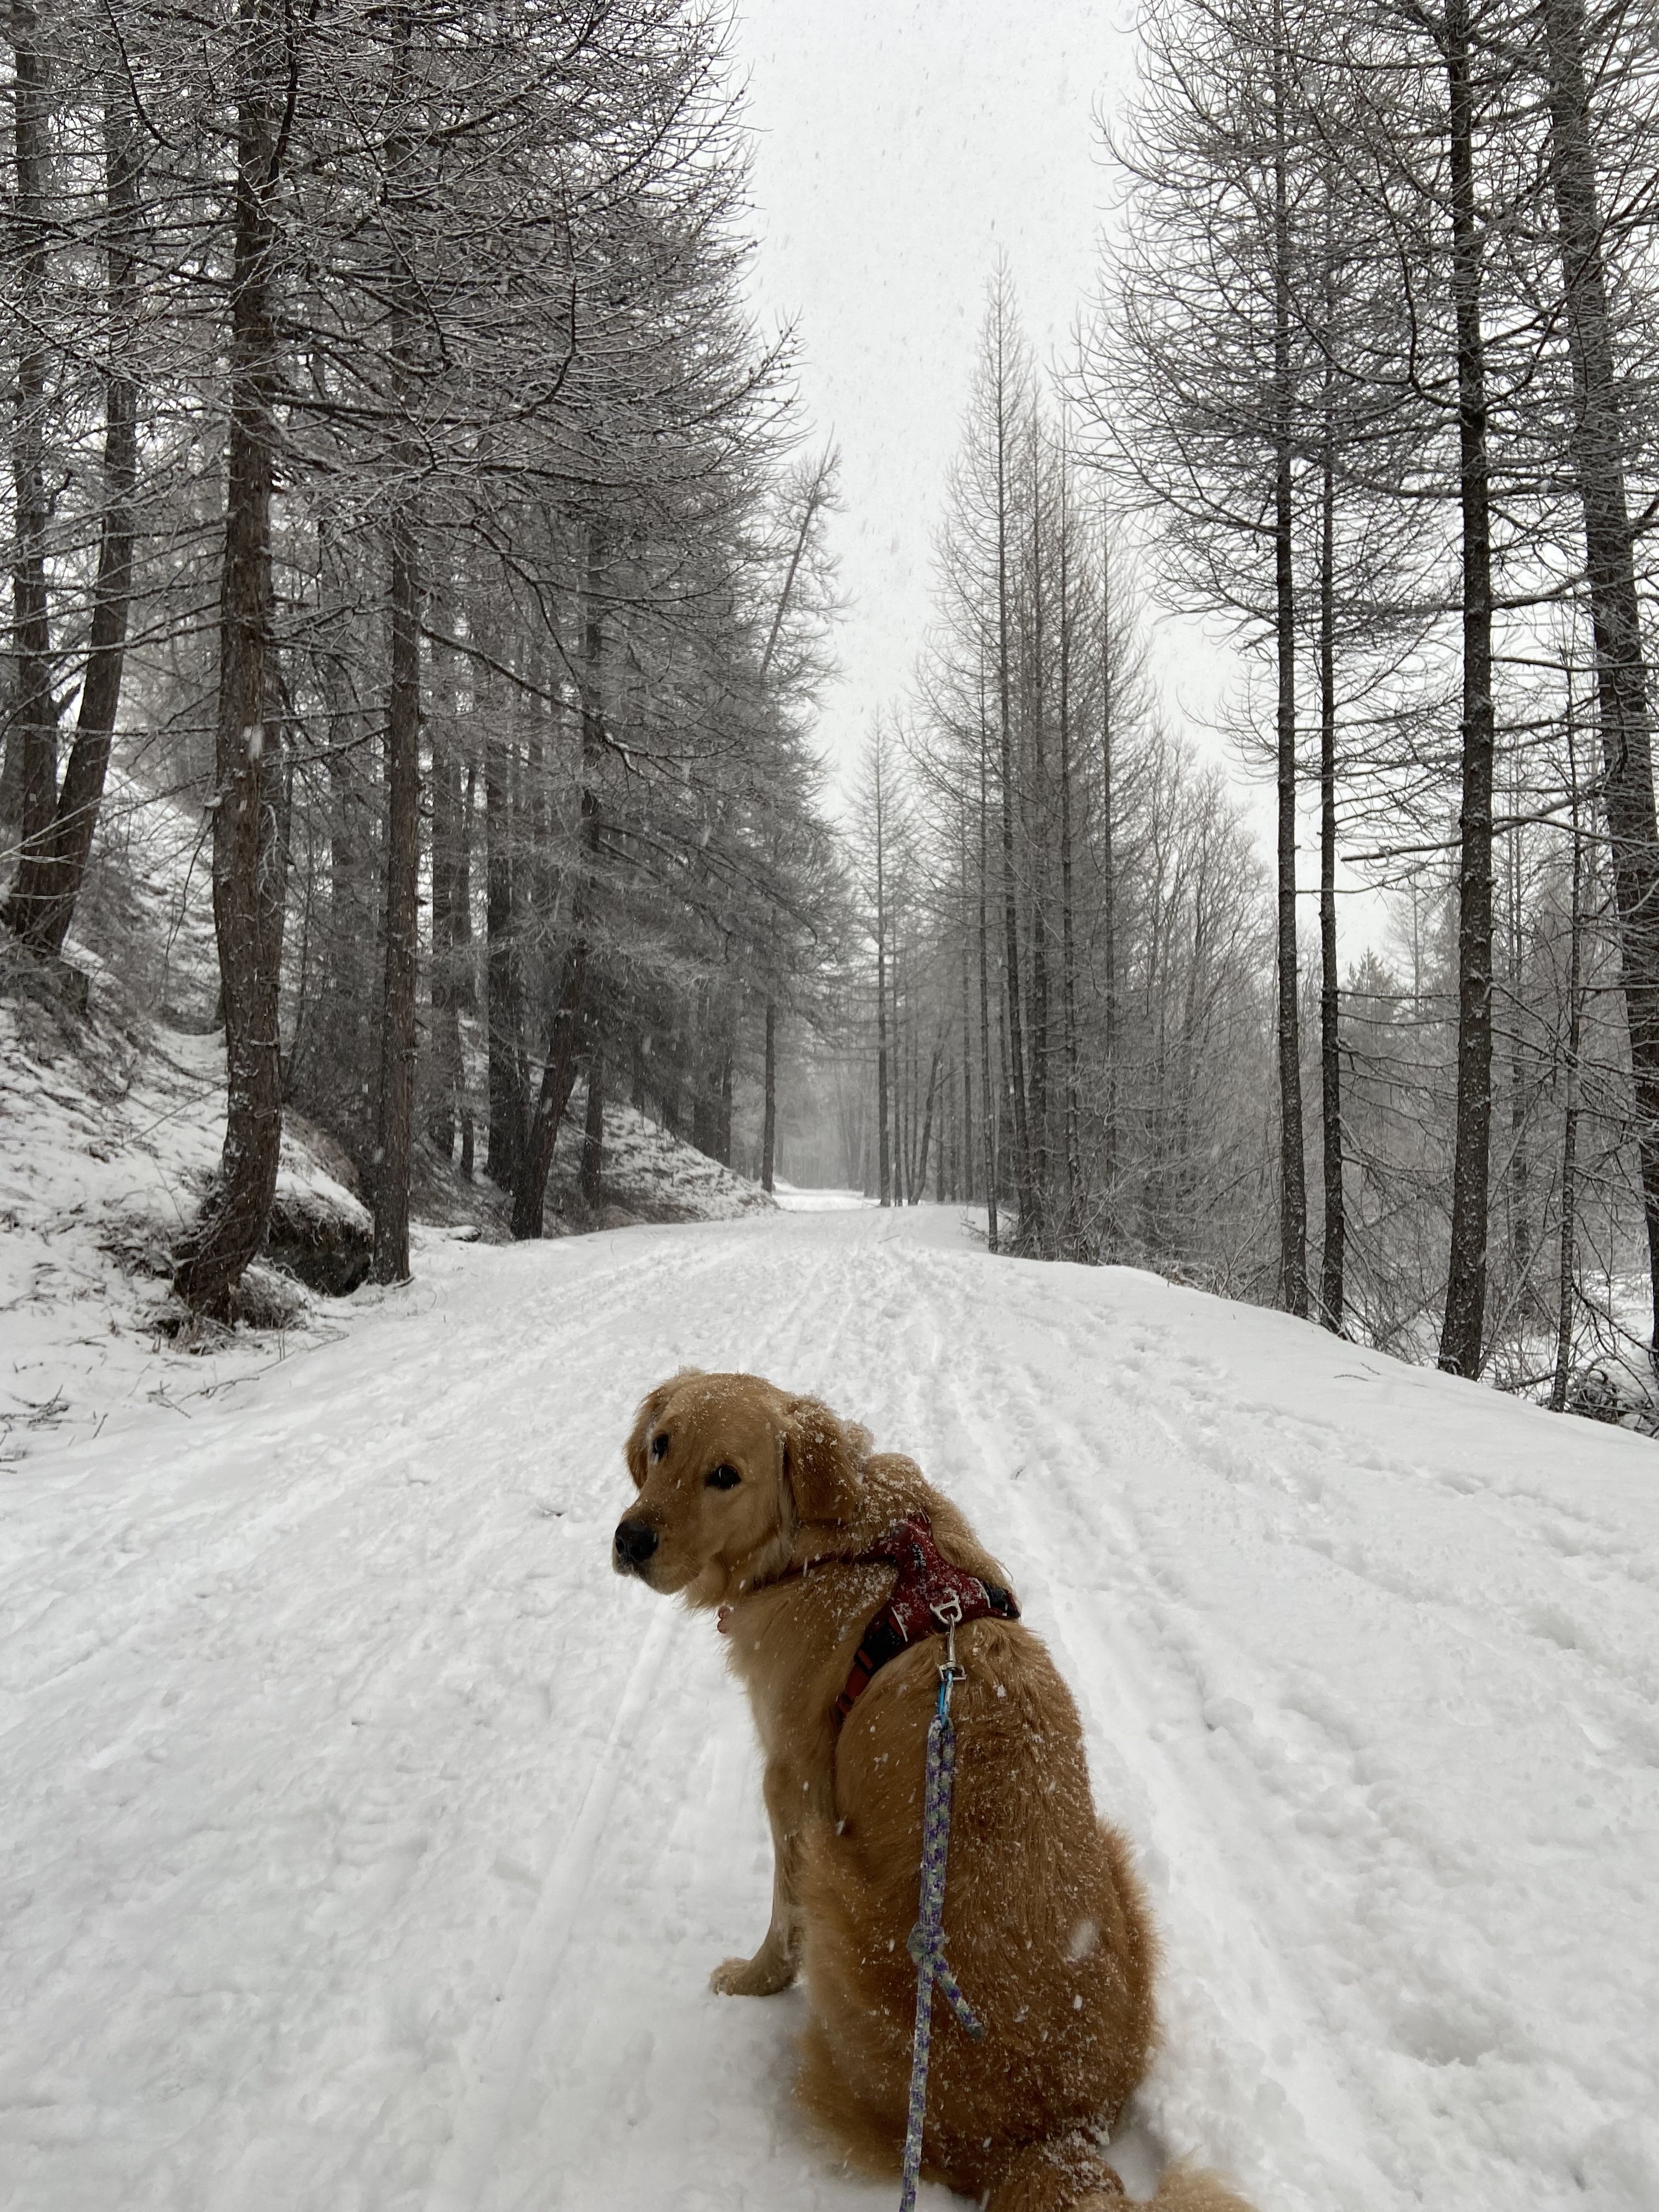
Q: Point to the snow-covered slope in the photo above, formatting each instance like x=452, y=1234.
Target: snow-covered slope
x=109, y=1131
x=367, y=1843
x=648, y=1175
x=111, y=1128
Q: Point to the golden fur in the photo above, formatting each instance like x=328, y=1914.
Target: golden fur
x=1045, y=1924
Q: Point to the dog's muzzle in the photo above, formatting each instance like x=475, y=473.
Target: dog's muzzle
x=636, y=1542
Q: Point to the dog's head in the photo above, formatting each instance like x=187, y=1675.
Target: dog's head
x=732, y=1474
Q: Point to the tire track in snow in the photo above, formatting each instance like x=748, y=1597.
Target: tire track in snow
x=463, y=2172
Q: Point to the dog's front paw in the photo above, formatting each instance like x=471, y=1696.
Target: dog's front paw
x=763, y=1976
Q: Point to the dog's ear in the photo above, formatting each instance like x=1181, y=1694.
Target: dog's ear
x=645, y=1420
x=820, y=1462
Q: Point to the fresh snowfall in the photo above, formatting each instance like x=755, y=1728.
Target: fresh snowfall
x=368, y=1844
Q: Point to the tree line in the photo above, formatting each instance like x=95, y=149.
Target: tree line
x=1366, y=382
x=1062, y=898
x=395, y=465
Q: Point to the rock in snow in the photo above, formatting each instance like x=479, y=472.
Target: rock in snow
x=367, y=1845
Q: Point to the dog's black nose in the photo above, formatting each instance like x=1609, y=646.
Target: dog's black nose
x=635, y=1542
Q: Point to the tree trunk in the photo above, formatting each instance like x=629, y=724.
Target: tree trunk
x=1334, y=1240
x=52, y=869
x=1462, y=1332
x=558, y=1081
x=1068, y=933
x=1004, y=1091
x=465, y=991
x=1037, y=1230
x=884, y=1170
x=919, y=1184
x=395, y=1134
x=391, y=1261
x=1292, y=1187
x=1567, y=1273
x=1520, y=1179
x=896, y=1078
x=1598, y=447
x=901, y=1074
x=249, y=838
x=1010, y=905
x=769, y=1112
x=564, y=1030
x=705, y=1119
x=816, y=491
x=339, y=1083
x=965, y=1146
x=1037, y=1121
x=987, y=1088
x=34, y=715
x=447, y=804
x=505, y=1140
x=725, y=1068
x=1108, y=911
x=593, y=1128
x=919, y=1111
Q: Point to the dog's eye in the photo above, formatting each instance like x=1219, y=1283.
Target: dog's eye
x=659, y=1445
x=725, y=1477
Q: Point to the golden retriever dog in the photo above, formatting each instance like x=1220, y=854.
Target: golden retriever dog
x=760, y=1504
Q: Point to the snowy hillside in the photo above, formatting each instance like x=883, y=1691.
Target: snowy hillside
x=650, y=1175
x=368, y=1844
x=111, y=1128
x=108, y=1133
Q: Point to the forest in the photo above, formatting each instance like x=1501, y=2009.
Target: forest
x=401, y=480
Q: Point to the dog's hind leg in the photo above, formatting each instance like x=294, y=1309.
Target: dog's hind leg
x=1069, y=2175
x=1066, y=2175
x=1186, y=2188
x=869, y=2143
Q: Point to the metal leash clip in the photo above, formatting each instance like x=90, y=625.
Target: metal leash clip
x=948, y=1615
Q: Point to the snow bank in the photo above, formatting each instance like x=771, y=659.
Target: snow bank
x=110, y=1129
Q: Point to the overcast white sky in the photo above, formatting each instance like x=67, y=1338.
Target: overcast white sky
x=898, y=144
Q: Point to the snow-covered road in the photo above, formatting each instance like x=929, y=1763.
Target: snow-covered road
x=366, y=1845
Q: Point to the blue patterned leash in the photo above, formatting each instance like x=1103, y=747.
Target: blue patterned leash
x=926, y=1943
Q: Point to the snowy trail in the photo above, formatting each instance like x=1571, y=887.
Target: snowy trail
x=367, y=1845
x=464, y=2169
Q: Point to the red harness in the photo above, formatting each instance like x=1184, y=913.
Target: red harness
x=921, y=1602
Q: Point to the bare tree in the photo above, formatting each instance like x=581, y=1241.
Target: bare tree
x=60, y=821
x=250, y=829
x=1598, y=451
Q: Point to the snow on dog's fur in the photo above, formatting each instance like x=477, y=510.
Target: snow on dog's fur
x=740, y=1486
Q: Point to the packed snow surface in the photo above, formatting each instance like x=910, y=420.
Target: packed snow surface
x=367, y=1845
